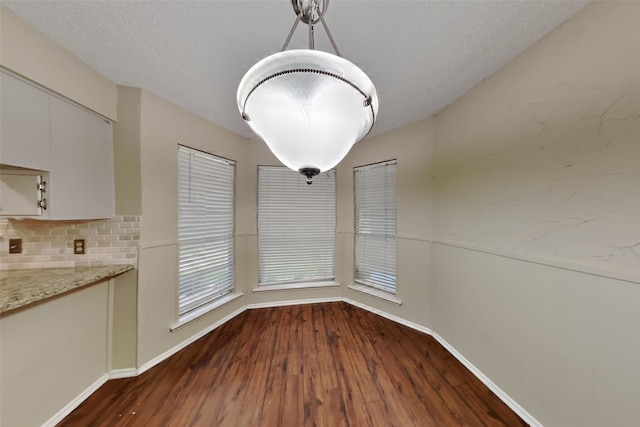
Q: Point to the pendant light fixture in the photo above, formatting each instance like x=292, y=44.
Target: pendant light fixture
x=308, y=106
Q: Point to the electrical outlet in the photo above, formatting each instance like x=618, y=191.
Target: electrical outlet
x=78, y=246
x=15, y=246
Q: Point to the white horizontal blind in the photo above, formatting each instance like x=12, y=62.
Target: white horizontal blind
x=375, y=225
x=296, y=226
x=205, y=228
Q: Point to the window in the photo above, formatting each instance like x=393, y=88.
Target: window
x=375, y=225
x=296, y=226
x=205, y=228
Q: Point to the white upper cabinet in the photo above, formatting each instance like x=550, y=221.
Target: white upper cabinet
x=81, y=182
x=24, y=124
x=43, y=132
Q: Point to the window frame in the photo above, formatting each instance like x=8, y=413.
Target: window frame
x=296, y=283
x=359, y=284
x=225, y=293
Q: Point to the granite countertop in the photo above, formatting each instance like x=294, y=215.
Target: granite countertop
x=19, y=288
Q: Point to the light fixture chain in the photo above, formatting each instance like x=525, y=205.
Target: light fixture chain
x=293, y=30
x=326, y=30
x=312, y=14
x=313, y=7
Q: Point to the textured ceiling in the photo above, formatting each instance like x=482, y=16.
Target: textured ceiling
x=421, y=55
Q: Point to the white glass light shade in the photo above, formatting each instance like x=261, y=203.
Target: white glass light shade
x=308, y=106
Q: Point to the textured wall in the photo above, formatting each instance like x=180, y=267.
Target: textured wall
x=542, y=158
x=537, y=223
x=564, y=345
x=412, y=147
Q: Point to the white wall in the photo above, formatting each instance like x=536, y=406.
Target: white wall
x=412, y=147
x=126, y=152
x=528, y=185
x=537, y=222
x=162, y=127
x=564, y=345
x=26, y=51
x=545, y=151
x=50, y=353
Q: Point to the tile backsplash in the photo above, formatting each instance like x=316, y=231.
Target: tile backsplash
x=49, y=244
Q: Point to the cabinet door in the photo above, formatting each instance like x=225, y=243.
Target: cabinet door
x=20, y=194
x=24, y=124
x=81, y=181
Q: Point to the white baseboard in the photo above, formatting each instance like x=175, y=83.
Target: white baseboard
x=132, y=372
x=515, y=407
x=69, y=407
x=158, y=359
x=293, y=302
x=123, y=373
x=153, y=362
x=391, y=317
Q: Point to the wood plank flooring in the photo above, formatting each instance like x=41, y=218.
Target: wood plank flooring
x=309, y=365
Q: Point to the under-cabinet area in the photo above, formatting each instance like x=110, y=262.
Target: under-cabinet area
x=56, y=157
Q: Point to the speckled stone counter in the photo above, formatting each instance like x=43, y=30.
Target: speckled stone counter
x=19, y=288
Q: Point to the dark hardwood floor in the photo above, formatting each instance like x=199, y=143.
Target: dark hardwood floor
x=323, y=364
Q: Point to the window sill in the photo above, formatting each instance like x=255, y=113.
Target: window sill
x=377, y=293
x=198, y=313
x=295, y=286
